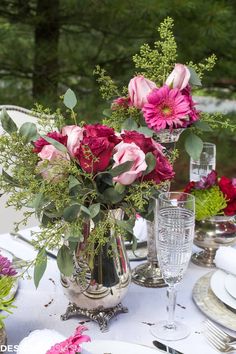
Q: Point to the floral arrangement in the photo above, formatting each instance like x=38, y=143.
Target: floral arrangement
x=72, y=175
x=159, y=96
x=71, y=345
x=213, y=196
x=7, y=273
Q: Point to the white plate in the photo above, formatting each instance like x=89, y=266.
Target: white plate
x=115, y=347
x=230, y=284
x=218, y=288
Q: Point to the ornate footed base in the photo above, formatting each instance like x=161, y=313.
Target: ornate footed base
x=100, y=315
x=148, y=275
x=204, y=258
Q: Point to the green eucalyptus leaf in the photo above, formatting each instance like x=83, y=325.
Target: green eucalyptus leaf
x=107, y=112
x=9, y=179
x=112, y=196
x=7, y=122
x=55, y=143
x=118, y=170
x=151, y=163
x=146, y=131
x=65, y=261
x=40, y=266
x=194, y=79
x=126, y=225
x=193, y=146
x=85, y=210
x=129, y=124
x=120, y=188
x=203, y=126
x=71, y=213
x=73, y=182
x=70, y=99
x=29, y=131
x=38, y=202
x=94, y=210
x=134, y=244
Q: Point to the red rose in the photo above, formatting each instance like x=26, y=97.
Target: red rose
x=143, y=142
x=94, y=154
x=162, y=171
x=228, y=188
x=231, y=208
x=41, y=142
x=101, y=131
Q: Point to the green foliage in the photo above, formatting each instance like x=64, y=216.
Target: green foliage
x=6, y=284
x=209, y=202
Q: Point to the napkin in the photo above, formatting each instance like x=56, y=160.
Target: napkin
x=140, y=229
x=39, y=341
x=225, y=259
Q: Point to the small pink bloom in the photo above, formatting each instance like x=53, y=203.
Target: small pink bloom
x=166, y=108
x=194, y=114
x=120, y=102
x=72, y=344
x=129, y=152
x=49, y=152
x=6, y=267
x=74, y=137
x=139, y=87
x=179, y=77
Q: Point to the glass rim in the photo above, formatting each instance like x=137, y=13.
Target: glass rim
x=206, y=143
x=188, y=196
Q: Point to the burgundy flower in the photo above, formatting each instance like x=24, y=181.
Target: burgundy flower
x=231, y=208
x=101, y=131
x=228, y=188
x=189, y=187
x=163, y=170
x=41, y=142
x=145, y=143
x=6, y=268
x=208, y=181
x=94, y=154
x=120, y=102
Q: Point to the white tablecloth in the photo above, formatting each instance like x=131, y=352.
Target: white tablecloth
x=41, y=308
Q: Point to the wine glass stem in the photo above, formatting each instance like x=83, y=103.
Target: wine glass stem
x=171, y=295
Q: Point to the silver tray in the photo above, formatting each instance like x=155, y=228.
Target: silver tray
x=210, y=305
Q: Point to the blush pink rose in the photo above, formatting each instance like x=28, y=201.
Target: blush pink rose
x=139, y=88
x=179, y=77
x=55, y=169
x=129, y=152
x=74, y=137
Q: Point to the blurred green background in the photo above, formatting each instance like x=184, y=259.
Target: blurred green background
x=48, y=46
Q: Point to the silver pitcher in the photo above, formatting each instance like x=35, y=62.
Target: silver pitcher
x=97, y=293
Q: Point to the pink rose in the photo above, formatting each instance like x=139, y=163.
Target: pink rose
x=120, y=102
x=58, y=161
x=179, y=77
x=139, y=88
x=74, y=137
x=129, y=152
x=41, y=142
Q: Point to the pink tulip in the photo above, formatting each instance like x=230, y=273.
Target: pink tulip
x=139, y=88
x=129, y=152
x=179, y=77
x=75, y=136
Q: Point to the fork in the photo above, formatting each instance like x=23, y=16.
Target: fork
x=219, y=333
x=218, y=344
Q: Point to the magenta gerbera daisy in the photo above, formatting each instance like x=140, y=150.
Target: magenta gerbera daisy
x=166, y=108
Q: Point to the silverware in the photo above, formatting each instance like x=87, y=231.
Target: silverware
x=219, y=333
x=23, y=238
x=218, y=344
x=166, y=348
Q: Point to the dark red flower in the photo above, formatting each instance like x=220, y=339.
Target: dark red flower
x=228, y=188
x=94, y=154
x=101, y=131
x=41, y=142
x=231, y=208
x=145, y=143
x=163, y=170
x=189, y=187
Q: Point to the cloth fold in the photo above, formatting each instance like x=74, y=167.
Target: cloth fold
x=225, y=259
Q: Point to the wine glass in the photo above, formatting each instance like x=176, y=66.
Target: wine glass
x=175, y=214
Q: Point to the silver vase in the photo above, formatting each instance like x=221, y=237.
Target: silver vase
x=210, y=234
x=97, y=293
x=148, y=274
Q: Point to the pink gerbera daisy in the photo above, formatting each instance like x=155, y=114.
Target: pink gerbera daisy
x=166, y=108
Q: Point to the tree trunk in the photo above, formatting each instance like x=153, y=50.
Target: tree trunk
x=46, y=40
